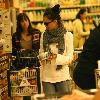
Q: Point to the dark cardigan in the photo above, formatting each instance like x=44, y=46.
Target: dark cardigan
x=84, y=72
x=16, y=47
x=35, y=42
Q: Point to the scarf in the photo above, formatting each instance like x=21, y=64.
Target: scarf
x=54, y=36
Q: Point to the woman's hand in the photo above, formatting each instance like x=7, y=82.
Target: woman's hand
x=52, y=56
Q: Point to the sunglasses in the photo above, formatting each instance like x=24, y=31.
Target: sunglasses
x=47, y=23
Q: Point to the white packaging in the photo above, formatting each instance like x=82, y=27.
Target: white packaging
x=98, y=64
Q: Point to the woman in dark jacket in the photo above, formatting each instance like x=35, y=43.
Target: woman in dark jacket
x=84, y=73
x=25, y=38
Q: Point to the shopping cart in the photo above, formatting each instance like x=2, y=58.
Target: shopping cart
x=25, y=58
x=24, y=82
x=76, y=55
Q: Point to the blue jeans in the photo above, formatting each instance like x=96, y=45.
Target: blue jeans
x=59, y=88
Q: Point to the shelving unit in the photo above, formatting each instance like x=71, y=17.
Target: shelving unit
x=93, y=14
x=72, y=7
x=63, y=7
x=68, y=14
x=80, y=6
x=4, y=65
x=34, y=8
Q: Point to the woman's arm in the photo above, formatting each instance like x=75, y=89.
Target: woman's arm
x=67, y=57
x=79, y=27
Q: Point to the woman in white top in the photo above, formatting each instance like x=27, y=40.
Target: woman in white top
x=56, y=54
x=79, y=33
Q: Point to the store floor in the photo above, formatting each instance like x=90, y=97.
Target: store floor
x=22, y=98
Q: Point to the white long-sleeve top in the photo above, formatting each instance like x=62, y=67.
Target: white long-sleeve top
x=49, y=72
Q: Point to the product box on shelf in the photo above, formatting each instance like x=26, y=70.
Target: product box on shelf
x=24, y=82
x=4, y=65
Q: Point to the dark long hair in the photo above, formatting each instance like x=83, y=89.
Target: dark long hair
x=81, y=11
x=19, y=28
x=78, y=16
x=53, y=13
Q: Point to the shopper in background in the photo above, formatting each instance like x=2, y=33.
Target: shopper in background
x=25, y=38
x=84, y=72
x=56, y=54
x=79, y=32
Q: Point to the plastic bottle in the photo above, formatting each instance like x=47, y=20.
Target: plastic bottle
x=82, y=1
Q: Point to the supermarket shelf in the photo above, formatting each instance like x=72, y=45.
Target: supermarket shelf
x=71, y=19
x=62, y=7
x=93, y=14
x=34, y=8
x=35, y=22
x=40, y=21
x=80, y=6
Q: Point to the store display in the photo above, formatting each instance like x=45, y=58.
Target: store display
x=5, y=28
x=4, y=65
x=33, y=3
x=68, y=14
x=23, y=82
x=97, y=77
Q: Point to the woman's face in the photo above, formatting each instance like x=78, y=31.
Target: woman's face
x=49, y=24
x=83, y=16
x=25, y=24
